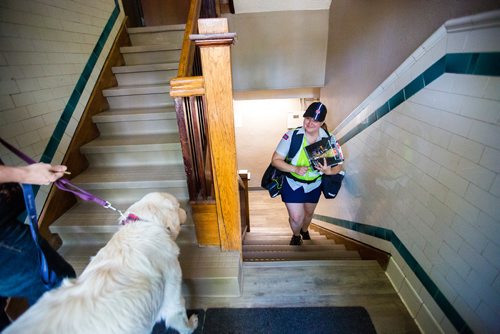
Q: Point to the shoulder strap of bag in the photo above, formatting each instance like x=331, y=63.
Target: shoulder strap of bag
x=294, y=145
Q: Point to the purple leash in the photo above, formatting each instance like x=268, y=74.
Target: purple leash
x=65, y=184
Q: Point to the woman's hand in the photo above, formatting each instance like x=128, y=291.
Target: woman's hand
x=279, y=162
x=327, y=170
x=300, y=170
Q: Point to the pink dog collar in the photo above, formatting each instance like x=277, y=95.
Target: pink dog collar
x=131, y=218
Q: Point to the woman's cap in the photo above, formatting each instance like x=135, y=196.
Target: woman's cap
x=316, y=111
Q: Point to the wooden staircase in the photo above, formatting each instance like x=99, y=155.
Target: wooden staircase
x=138, y=151
x=265, y=244
x=270, y=233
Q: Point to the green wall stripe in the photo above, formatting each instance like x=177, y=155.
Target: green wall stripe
x=457, y=63
x=75, y=96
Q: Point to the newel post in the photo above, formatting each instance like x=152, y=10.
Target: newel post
x=214, y=42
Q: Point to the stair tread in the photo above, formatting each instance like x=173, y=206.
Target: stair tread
x=287, y=248
x=256, y=232
x=145, y=68
x=163, y=88
x=148, y=48
x=135, y=114
x=130, y=143
x=278, y=237
x=152, y=29
x=286, y=241
x=366, y=264
x=130, y=174
x=313, y=255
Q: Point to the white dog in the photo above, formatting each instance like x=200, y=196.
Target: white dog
x=131, y=283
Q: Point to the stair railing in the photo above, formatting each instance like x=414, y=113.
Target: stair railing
x=206, y=128
x=188, y=93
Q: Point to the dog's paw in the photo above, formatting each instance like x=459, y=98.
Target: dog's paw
x=193, y=321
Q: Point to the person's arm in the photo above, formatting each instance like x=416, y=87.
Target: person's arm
x=39, y=173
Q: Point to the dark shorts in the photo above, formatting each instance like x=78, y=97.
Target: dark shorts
x=288, y=195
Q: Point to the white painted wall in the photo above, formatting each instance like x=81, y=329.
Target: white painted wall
x=44, y=47
x=430, y=172
x=259, y=126
x=279, y=50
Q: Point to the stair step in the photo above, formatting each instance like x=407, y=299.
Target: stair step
x=128, y=183
x=116, y=177
x=171, y=34
x=257, y=232
x=134, y=150
x=249, y=237
x=136, y=90
x=138, y=114
x=145, y=68
x=287, y=248
x=137, y=121
x=300, y=255
x=365, y=264
x=158, y=28
x=137, y=143
x=145, y=74
x=141, y=49
x=150, y=54
x=207, y=271
x=286, y=241
x=147, y=96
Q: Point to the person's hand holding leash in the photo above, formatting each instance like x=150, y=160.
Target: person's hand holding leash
x=38, y=173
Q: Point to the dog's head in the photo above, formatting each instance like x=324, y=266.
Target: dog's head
x=161, y=208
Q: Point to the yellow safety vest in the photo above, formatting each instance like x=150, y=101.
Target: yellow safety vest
x=311, y=174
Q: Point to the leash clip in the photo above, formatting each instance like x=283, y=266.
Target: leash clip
x=108, y=205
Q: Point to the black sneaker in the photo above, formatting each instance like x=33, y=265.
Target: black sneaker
x=296, y=240
x=305, y=235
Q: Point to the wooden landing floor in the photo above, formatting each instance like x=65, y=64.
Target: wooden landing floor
x=308, y=283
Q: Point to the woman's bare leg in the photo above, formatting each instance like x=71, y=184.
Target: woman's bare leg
x=296, y=214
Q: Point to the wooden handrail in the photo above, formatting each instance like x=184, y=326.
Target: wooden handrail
x=188, y=48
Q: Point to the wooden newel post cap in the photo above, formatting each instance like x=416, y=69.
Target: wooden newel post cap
x=227, y=38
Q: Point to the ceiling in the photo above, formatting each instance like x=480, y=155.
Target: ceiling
x=257, y=6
